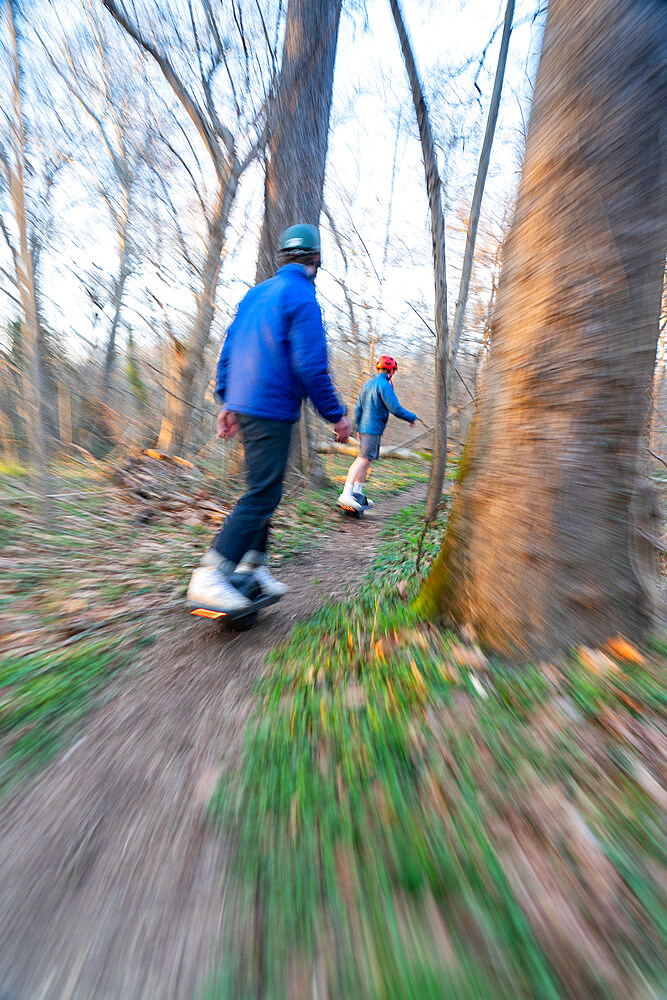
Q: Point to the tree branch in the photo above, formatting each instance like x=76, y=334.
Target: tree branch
x=188, y=102
x=189, y=172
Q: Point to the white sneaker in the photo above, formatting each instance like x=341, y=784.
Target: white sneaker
x=349, y=502
x=210, y=590
x=270, y=586
x=211, y=558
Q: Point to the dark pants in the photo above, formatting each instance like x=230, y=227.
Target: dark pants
x=266, y=445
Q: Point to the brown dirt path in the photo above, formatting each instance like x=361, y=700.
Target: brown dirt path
x=111, y=883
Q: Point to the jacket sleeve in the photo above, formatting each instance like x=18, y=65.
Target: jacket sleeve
x=358, y=410
x=390, y=400
x=223, y=365
x=308, y=350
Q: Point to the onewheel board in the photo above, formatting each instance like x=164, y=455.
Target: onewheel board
x=351, y=512
x=242, y=616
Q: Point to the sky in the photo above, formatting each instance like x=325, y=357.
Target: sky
x=373, y=137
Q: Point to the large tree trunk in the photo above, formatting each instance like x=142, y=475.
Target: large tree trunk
x=25, y=278
x=193, y=358
x=298, y=143
x=433, y=188
x=299, y=136
x=541, y=549
x=478, y=194
x=172, y=431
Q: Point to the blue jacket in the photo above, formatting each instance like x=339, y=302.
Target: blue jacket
x=275, y=352
x=377, y=400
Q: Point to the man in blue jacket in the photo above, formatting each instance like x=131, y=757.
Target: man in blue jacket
x=376, y=401
x=274, y=355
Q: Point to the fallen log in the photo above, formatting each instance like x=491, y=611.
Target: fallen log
x=352, y=449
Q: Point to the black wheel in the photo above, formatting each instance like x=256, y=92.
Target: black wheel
x=244, y=623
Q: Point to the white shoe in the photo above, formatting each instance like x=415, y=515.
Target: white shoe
x=211, y=558
x=210, y=590
x=349, y=502
x=270, y=586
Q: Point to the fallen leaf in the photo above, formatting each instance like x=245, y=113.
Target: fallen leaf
x=624, y=650
x=417, y=675
x=598, y=662
x=380, y=649
x=630, y=702
x=469, y=656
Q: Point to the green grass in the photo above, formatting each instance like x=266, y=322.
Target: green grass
x=44, y=695
x=301, y=520
x=410, y=820
x=12, y=469
x=95, y=568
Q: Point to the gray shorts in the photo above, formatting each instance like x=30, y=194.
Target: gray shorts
x=370, y=446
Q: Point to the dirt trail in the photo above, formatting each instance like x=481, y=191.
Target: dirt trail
x=111, y=883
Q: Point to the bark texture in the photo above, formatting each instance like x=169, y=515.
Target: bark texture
x=22, y=258
x=434, y=191
x=541, y=552
x=297, y=154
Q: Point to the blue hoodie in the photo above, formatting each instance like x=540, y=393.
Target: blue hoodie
x=275, y=352
x=376, y=401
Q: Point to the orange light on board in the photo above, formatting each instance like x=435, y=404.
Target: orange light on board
x=205, y=613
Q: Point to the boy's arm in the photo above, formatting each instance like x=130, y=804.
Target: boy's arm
x=358, y=409
x=391, y=402
x=309, y=359
x=223, y=367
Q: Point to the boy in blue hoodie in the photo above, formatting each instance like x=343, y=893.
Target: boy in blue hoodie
x=376, y=401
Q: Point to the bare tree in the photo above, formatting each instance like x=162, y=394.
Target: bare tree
x=299, y=124
x=223, y=143
x=433, y=188
x=478, y=193
x=14, y=166
x=541, y=549
x=354, y=337
x=107, y=94
x=297, y=147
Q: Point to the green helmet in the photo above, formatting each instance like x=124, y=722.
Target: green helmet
x=300, y=239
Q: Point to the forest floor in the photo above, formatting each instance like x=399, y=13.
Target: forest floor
x=420, y=821
x=85, y=592
x=389, y=815
x=111, y=880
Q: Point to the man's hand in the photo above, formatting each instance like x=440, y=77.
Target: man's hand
x=343, y=430
x=226, y=425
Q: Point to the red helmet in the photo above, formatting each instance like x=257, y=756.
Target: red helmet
x=386, y=363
